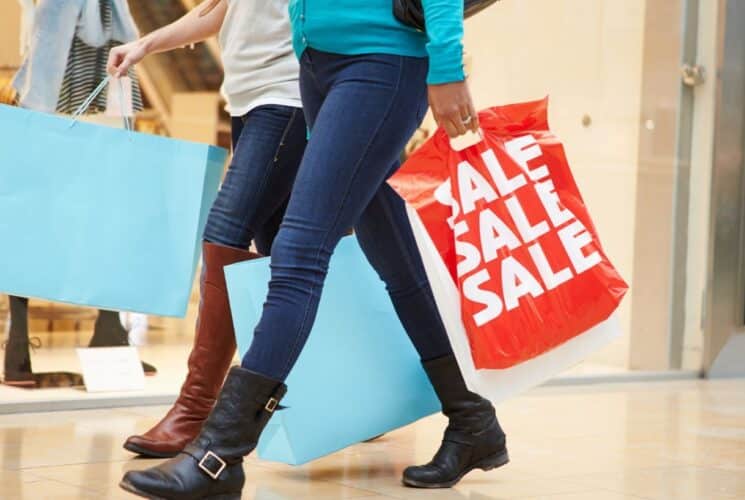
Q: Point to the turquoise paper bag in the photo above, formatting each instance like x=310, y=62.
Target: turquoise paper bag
x=359, y=375
x=99, y=216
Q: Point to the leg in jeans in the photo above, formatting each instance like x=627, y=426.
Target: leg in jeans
x=362, y=111
x=268, y=144
x=386, y=237
x=363, y=120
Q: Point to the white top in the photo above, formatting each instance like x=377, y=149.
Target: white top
x=260, y=65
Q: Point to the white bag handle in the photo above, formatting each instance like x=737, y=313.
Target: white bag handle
x=89, y=100
x=467, y=140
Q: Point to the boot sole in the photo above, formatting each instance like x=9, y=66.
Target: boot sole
x=485, y=464
x=130, y=488
x=144, y=452
x=20, y=383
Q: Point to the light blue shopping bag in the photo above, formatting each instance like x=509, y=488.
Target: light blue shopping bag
x=359, y=375
x=99, y=216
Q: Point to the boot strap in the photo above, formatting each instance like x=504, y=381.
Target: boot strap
x=210, y=462
x=212, y=465
x=458, y=437
x=271, y=404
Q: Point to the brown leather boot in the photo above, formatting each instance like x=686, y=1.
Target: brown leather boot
x=210, y=358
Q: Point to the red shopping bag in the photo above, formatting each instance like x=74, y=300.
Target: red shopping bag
x=509, y=223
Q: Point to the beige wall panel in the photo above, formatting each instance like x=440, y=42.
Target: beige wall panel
x=10, y=32
x=194, y=116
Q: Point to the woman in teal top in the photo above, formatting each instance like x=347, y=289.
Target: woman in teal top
x=352, y=27
x=364, y=82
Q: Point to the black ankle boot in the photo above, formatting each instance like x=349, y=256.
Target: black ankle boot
x=212, y=465
x=473, y=438
x=109, y=332
x=17, y=362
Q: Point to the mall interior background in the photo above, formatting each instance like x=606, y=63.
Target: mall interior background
x=613, y=73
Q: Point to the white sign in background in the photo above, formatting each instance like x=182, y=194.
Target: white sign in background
x=111, y=369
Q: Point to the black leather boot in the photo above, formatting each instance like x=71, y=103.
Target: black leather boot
x=17, y=355
x=212, y=465
x=473, y=438
x=109, y=332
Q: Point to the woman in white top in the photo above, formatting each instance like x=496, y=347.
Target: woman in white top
x=269, y=136
x=362, y=102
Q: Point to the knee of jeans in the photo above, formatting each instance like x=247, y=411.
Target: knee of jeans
x=299, y=253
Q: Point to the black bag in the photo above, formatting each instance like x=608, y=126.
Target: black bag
x=410, y=12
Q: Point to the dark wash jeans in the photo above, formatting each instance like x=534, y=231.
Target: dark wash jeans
x=361, y=110
x=268, y=144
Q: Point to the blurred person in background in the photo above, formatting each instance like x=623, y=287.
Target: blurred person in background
x=65, y=45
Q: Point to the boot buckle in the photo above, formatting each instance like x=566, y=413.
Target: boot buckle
x=271, y=405
x=206, y=467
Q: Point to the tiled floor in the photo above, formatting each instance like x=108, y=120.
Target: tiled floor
x=667, y=440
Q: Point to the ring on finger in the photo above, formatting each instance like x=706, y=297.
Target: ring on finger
x=467, y=120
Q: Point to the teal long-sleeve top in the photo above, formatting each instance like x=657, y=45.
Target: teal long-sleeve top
x=355, y=27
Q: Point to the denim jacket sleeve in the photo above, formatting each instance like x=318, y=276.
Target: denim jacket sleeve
x=444, y=20
x=40, y=76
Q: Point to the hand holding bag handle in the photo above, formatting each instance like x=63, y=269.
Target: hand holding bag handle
x=410, y=12
x=89, y=100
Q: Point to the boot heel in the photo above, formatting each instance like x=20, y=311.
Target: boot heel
x=225, y=496
x=494, y=461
